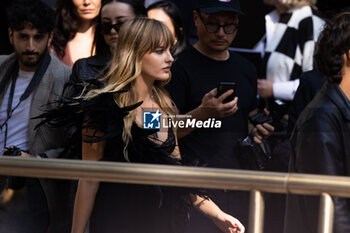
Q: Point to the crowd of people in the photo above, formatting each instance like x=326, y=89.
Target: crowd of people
x=85, y=76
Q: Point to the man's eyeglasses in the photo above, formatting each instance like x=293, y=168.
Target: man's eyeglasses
x=107, y=27
x=229, y=28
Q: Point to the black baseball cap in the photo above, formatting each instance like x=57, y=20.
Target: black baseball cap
x=213, y=6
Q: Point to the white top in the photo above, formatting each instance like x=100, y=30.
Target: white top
x=18, y=124
x=271, y=21
x=283, y=88
x=285, y=61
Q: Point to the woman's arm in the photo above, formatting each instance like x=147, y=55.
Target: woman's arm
x=87, y=189
x=225, y=222
x=84, y=202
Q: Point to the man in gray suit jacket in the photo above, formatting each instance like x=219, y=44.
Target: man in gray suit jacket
x=31, y=80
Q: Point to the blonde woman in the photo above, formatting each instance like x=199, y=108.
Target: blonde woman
x=292, y=30
x=113, y=131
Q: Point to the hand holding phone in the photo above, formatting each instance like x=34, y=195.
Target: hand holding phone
x=225, y=86
x=260, y=118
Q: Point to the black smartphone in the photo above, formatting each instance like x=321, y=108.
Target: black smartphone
x=225, y=86
x=260, y=118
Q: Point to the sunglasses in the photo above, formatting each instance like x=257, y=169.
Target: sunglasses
x=107, y=27
x=229, y=28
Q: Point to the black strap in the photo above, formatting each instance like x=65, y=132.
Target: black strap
x=12, y=74
x=9, y=106
x=12, y=92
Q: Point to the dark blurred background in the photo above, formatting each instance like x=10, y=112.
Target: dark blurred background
x=251, y=28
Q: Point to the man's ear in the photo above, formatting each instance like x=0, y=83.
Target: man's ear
x=50, y=39
x=10, y=33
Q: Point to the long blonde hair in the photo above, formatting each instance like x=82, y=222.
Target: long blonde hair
x=136, y=38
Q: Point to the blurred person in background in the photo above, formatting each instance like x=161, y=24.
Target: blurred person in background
x=311, y=81
x=75, y=29
x=169, y=14
x=292, y=30
x=112, y=16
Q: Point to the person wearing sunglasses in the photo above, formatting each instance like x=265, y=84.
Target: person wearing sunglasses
x=197, y=72
x=112, y=16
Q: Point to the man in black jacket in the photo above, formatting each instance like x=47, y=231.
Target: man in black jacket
x=321, y=137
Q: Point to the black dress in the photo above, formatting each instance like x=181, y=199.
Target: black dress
x=125, y=208
x=138, y=208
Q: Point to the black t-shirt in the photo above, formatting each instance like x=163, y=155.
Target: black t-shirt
x=194, y=75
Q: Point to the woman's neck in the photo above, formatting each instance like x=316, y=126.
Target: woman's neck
x=84, y=36
x=144, y=91
x=85, y=26
x=81, y=46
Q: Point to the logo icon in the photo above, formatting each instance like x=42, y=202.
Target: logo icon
x=224, y=0
x=151, y=120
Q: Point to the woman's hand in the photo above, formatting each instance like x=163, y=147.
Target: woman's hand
x=223, y=221
x=228, y=224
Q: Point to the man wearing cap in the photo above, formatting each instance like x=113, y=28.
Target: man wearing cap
x=197, y=72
